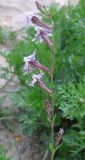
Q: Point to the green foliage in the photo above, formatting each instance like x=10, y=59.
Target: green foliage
x=12, y=35
x=72, y=100
x=2, y=35
x=72, y=104
x=31, y=104
x=2, y=154
x=69, y=42
x=69, y=81
x=7, y=37
x=76, y=143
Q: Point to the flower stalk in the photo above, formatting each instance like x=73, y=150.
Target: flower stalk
x=43, y=32
x=52, y=99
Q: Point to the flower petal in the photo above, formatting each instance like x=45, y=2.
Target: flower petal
x=36, y=77
x=27, y=66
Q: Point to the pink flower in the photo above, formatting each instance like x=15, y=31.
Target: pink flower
x=47, y=105
x=30, y=61
x=29, y=16
x=36, y=79
x=38, y=35
x=27, y=67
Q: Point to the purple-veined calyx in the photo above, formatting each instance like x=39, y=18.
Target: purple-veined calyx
x=39, y=66
x=37, y=21
x=46, y=39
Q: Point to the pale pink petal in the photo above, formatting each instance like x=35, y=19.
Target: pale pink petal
x=27, y=66
x=29, y=16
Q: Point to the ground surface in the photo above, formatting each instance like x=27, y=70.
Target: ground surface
x=27, y=149
x=12, y=12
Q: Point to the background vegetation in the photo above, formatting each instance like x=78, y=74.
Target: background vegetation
x=2, y=154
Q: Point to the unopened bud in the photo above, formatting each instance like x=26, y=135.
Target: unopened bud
x=47, y=105
x=59, y=136
x=39, y=6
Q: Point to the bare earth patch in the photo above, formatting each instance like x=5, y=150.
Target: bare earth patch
x=27, y=149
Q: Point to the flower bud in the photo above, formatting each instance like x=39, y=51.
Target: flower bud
x=59, y=136
x=47, y=105
x=39, y=6
x=46, y=39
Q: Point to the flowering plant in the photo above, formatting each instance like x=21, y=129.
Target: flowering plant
x=32, y=97
x=44, y=30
